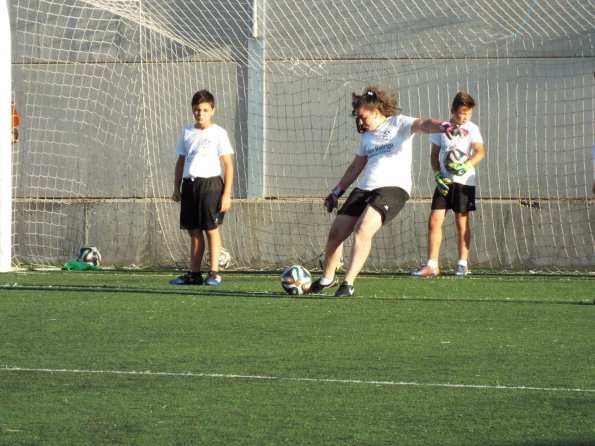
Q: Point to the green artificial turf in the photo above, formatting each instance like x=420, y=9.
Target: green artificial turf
x=126, y=358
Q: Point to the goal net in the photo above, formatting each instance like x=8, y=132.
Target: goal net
x=103, y=89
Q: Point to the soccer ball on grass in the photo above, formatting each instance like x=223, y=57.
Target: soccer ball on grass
x=296, y=280
x=89, y=254
x=224, y=258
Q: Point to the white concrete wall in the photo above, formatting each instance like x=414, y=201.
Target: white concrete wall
x=103, y=99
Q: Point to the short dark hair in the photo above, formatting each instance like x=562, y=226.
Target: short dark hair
x=462, y=99
x=202, y=96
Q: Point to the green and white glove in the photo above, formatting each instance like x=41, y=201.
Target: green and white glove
x=459, y=168
x=442, y=182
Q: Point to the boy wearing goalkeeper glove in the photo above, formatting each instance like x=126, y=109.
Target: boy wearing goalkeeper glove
x=454, y=190
x=383, y=157
x=203, y=179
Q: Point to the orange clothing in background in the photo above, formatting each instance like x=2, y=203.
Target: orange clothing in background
x=15, y=116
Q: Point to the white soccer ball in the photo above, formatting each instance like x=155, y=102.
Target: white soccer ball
x=455, y=155
x=89, y=254
x=224, y=259
x=322, y=258
x=296, y=280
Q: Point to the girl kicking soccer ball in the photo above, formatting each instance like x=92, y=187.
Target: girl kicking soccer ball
x=383, y=157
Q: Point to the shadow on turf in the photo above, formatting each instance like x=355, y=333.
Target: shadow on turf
x=219, y=291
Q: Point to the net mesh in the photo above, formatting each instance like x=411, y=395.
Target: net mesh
x=103, y=89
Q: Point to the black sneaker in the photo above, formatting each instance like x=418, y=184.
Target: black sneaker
x=317, y=287
x=188, y=279
x=345, y=290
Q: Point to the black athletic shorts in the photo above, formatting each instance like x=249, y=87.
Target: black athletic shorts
x=387, y=200
x=200, y=205
x=460, y=198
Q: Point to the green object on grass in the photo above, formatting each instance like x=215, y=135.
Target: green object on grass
x=77, y=265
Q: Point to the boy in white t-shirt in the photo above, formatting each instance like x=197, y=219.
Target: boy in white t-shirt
x=204, y=155
x=453, y=191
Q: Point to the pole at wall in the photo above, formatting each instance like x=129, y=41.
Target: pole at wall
x=255, y=94
x=5, y=140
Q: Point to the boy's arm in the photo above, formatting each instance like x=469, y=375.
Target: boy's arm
x=434, y=158
x=178, y=172
x=478, y=153
x=442, y=183
x=227, y=161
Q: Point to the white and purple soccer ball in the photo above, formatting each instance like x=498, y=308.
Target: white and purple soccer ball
x=455, y=156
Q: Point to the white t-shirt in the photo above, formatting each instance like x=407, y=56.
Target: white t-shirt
x=464, y=144
x=203, y=150
x=388, y=149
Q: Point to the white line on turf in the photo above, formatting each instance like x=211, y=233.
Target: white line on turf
x=5, y=368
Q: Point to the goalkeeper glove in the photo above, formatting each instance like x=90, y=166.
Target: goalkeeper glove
x=460, y=168
x=442, y=182
x=332, y=200
x=451, y=130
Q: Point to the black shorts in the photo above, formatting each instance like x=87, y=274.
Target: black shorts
x=460, y=198
x=201, y=201
x=387, y=200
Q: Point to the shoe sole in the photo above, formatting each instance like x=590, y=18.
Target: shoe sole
x=345, y=295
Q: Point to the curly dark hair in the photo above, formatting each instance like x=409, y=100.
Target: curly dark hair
x=374, y=99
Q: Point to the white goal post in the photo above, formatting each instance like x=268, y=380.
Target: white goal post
x=5, y=140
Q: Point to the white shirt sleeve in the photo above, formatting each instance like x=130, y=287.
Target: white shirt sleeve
x=435, y=138
x=405, y=123
x=225, y=147
x=360, y=147
x=475, y=136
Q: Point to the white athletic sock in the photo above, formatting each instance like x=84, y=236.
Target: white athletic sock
x=432, y=263
x=325, y=281
x=462, y=263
